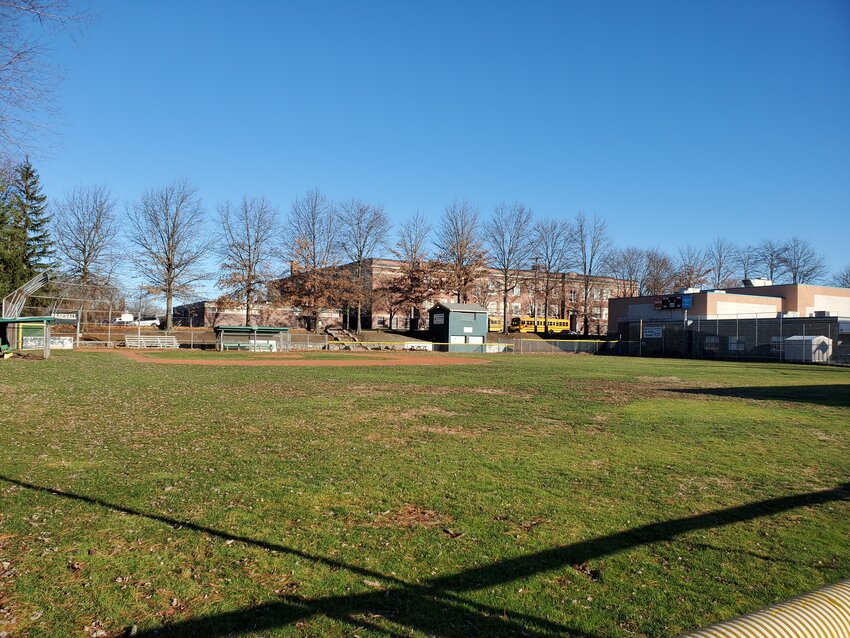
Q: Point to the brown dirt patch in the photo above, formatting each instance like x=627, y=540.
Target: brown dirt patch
x=441, y=429
x=293, y=360
x=430, y=410
x=822, y=436
x=657, y=380
x=409, y=516
x=617, y=393
x=507, y=392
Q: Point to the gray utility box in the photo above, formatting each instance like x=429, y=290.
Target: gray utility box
x=815, y=348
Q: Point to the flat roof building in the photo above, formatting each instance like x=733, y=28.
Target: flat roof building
x=789, y=300
x=754, y=322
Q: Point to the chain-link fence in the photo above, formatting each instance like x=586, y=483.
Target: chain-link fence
x=812, y=339
x=554, y=346
x=509, y=346
x=306, y=341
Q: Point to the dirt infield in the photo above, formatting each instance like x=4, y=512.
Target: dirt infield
x=298, y=360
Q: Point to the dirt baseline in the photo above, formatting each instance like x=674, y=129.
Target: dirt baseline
x=296, y=360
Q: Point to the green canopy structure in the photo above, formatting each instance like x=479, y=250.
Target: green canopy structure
x=249, y=333
x=45, y=321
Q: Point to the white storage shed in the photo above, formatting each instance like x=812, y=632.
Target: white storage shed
x=813, y=349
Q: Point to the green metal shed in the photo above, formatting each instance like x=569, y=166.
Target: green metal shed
x=458, y=327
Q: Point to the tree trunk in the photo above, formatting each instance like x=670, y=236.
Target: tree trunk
x=586, y=308
x=83, y=319
x=248, y=307
x=359, y=313
x=169, y=310
x=505, y=311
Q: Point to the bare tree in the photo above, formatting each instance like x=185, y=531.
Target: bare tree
x=722, y=256
x=768, y=256
x=420, y=277
x=364, y=229
x=592, y=246
x=747, y=261
x=800, y=262
x=312, y=245
x=628, y=267
x=660, y=273
x=387, y=296
x=85, y=230
x=842, y=278
x=507, y=236
x=27, y=80
x=248, y=231
x=167, y=227
x=460, y=247
x=693, y=268
x=551, y=254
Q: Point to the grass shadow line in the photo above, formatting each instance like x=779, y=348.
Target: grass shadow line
x=832, y=395
x=427, y=607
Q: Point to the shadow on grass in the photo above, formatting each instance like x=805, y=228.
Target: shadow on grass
x=836, y=396
x=436, y=606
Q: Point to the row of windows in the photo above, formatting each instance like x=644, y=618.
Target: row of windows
x=601, y=294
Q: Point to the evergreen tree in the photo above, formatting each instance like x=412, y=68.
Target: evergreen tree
x=31, y=219
x=13, y=272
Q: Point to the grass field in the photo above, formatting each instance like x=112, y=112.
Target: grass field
x=529, y=495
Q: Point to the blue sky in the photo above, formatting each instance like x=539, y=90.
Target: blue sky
x=675, y=121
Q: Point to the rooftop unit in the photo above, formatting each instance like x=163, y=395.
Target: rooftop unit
x=757, y=282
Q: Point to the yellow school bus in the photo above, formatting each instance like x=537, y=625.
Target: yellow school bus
x=494, y=324
x=526, y=324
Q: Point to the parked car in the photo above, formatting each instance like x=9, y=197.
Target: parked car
x=147, y=321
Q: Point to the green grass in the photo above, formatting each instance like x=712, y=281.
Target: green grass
x=548, y=495
x=243, y=355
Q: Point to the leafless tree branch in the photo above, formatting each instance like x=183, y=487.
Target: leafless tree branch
x=167, y=228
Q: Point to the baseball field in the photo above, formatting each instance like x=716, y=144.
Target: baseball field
x=199, y=494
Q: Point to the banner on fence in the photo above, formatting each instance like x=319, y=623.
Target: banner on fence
x=56, y=343
x=653, y=332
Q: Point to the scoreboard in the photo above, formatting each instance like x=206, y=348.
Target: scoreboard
x=673, y=302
